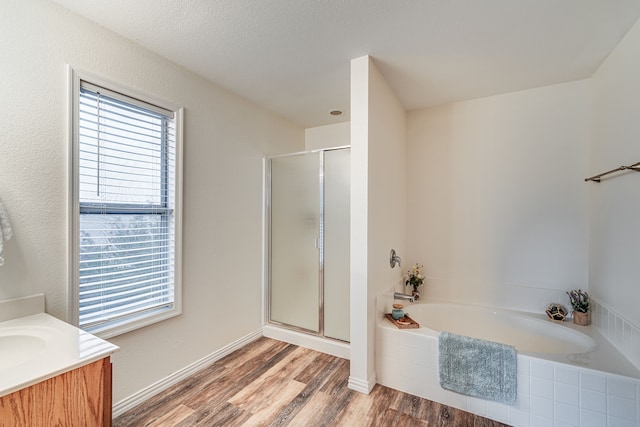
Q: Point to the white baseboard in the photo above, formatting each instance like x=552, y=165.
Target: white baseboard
x=323, y=345
x=362, y=386
x=135, y=399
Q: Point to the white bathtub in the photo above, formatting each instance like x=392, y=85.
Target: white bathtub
x=567, y=375
x=528, y=334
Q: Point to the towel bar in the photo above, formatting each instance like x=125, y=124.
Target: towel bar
x=634, y=167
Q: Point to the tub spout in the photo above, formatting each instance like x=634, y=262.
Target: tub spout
x=398, y=295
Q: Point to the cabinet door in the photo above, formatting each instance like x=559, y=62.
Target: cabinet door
x=81, y=397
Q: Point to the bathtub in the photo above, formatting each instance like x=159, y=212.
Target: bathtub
x=567, y=375
x=526, y=333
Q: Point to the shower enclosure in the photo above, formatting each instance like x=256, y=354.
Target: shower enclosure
x=308, y=215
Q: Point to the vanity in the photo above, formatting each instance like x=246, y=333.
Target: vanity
x=51, y=373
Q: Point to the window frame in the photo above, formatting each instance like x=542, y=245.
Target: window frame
x=118, y=327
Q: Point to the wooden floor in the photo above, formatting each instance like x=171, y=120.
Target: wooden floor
x=271, y=383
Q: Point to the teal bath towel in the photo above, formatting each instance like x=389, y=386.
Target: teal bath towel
x=478, y=368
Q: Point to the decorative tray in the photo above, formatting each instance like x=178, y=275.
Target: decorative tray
x=405, y=322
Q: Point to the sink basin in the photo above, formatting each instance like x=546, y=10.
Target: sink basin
x=22, y=344
x=18, y=349
x=36, y=347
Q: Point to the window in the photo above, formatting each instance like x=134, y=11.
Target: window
x=126, y=210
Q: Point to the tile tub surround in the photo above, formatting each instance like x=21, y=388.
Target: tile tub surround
x=549, y=392
x=624, y=335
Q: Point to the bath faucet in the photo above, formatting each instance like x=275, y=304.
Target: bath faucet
x=398, y=295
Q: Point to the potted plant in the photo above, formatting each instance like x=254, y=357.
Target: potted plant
x=415, y=278
x=580, y=303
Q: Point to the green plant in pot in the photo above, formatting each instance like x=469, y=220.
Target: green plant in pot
x=580, y=304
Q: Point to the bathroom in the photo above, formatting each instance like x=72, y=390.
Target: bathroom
x=488, y=194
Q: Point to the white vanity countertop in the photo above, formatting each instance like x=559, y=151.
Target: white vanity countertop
x=37, y=347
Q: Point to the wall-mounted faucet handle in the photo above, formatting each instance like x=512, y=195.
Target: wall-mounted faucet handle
x=394, y=259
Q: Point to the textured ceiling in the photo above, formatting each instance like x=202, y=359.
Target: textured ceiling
x=293, y=56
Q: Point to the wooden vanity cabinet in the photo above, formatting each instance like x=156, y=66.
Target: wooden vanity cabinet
x=81, y=397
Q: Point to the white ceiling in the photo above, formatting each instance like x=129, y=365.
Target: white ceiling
x=293, y=56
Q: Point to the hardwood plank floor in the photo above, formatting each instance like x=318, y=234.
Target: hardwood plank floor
x=271, y=383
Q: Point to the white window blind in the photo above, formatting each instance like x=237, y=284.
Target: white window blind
x=126, y=187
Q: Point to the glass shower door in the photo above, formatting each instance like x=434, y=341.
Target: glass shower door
x=295, y=235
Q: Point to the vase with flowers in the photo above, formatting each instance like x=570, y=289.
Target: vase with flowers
x=415, y=278
x=580, y=303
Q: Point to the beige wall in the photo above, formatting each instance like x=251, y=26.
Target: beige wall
x=614, y=267
x=378, y=196
x=328, y=136
x=225, y=139
x=496, y=205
